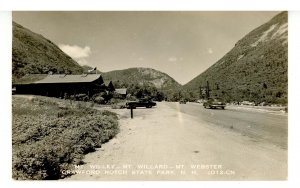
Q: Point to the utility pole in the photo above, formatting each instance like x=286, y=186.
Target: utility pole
x=217, y=88
x=207, y=90
x=200, y=92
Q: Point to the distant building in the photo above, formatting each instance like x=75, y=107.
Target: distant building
x=121, y=93
x=60, y=85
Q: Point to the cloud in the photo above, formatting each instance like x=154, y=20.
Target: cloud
x=82, y=62
x=172, y=59
x=76, y=52
x=210, y=51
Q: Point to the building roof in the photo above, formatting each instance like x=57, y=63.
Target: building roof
x=63, y=78
x=122, y=91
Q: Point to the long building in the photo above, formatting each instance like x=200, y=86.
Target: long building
x=60, y=85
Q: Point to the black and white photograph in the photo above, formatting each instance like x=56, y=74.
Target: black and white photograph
x=150, y=95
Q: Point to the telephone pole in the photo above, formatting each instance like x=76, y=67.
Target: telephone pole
x=207, y=90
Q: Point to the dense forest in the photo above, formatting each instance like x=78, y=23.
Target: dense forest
x=144, y=82
x=254, y=70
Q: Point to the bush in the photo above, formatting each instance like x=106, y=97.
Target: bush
x=115, y=101
x=48, y=142
x=81, y=97
x=99, y=100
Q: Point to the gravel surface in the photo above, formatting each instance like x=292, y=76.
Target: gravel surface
x=186, y=142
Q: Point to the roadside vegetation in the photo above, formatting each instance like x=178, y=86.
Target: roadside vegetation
x=49, y=135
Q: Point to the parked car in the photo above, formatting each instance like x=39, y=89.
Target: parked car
x=214, y=103
x=182, y=101
x=140, y=103
x=248, y=103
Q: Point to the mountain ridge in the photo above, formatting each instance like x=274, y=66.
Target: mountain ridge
x=255, y=69
x=34, y=54
x=155, y=77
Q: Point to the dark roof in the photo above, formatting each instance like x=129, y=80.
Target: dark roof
x=122, y=91
x=62, y=78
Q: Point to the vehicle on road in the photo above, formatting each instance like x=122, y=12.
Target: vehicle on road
x=248, y=103
x=214, y=103
x=182, y=101
x=140, y=103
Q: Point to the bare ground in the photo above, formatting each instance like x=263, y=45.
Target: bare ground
x=165, y=144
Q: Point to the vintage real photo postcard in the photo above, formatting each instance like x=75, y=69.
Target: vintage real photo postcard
x=149, y=95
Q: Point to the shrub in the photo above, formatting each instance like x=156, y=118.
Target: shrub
x=99, y=100
x=44, y=143
x=82, y=97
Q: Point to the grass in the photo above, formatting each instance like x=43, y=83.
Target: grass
x=51, y=135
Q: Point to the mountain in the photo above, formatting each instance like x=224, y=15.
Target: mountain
x=34, y=54
x=141, y=77
x=138, y=77
x=254, y=70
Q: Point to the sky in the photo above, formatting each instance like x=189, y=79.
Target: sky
x=182, y=44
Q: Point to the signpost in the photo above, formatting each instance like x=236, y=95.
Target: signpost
x=205, y=91
x=131, y=112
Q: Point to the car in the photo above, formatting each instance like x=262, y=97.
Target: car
x=140, y=103
x=214, y=103
x=182, y=101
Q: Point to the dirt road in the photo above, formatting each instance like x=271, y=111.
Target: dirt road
x=165, y=143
